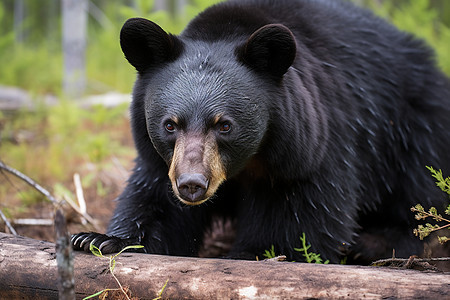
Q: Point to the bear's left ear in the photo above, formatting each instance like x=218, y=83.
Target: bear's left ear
x=145, y=44
x=270, y=49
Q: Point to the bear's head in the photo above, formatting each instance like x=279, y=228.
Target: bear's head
x=206, y=104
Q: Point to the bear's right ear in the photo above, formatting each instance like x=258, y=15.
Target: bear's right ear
x=270, y=49
x=145, y=44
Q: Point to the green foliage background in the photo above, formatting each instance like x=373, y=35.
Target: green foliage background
x=35, y=63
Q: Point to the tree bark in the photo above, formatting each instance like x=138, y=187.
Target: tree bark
x=28, y=270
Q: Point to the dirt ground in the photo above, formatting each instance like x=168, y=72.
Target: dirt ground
x=99, y=208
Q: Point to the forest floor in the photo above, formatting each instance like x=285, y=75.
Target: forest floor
x=91, y=138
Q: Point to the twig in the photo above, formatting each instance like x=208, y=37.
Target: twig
x=43, y=191
x=30, y=181
x=33, y=222
x=276, y=258
x=410, y=263
x=11, y=229
x=426, y=214
x=118, y=282
x=390, y=260
x=123, y=172
x=77, y=209
x=80, y=196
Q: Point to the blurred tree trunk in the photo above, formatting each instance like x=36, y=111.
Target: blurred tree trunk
x=181, y=9
x=174, y=7
x=19, y=15
x=74, y=23
x=160, y=5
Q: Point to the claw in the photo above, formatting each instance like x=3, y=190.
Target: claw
x=92, y=243
x=75, y=243
x=83, y=241
x=104, y=244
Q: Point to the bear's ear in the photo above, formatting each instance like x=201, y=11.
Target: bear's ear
x=145, y=44
x=270, y=49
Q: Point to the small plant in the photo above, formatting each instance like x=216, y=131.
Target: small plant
x=310, y=257
x=270, y=253
x=423, y=231
x=443, y=184
x=112, y=265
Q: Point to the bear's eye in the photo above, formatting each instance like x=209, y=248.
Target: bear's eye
x=170, y=126
x=225, y=127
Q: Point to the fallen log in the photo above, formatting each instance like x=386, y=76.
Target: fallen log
x=28, y=271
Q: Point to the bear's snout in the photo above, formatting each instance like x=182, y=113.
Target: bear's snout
x=196, y=169
x=192, y=187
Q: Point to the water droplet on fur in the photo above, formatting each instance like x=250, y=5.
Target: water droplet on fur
x=347, y=163
x=296, y=217
x=312, y=204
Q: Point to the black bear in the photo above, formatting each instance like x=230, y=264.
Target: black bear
x=288, y=117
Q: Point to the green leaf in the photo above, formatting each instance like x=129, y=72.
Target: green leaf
x=95, y=250
x=95, y=295
x=443, y=239
x=162, y=290
x=112, y=264
x=126, y=248
x=132, y=247
x=270, y=253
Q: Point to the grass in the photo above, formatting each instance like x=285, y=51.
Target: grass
x=50, y=144
x=36, y=63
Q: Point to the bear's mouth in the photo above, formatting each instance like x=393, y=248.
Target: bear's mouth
x=190, y=202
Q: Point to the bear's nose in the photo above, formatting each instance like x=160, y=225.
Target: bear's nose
x=192, y=187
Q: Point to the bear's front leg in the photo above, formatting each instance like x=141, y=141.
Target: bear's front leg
x=147, y=214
